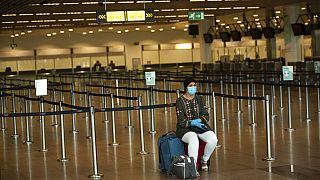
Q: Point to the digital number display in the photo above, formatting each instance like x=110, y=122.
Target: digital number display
x=136, y=15
x=116, y=16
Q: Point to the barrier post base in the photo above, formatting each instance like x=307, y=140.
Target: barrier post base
x=3, y=129
x=224, y=119
x=308, y=119
x=289, y=129
x=130, y=127
x=43, y=150
x=96, y=176
x=268, y=159
x=63, y=160
x=143, y=153
x=28, y=142
x=253, y=124
x=105, y=121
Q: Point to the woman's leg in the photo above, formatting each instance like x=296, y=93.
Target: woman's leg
x=211, y=142
x=193, y=144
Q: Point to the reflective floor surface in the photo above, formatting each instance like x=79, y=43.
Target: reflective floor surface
x=297, y=153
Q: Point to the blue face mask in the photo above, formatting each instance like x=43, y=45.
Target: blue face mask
x=192, y=90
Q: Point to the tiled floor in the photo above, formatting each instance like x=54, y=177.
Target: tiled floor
x=240, y=157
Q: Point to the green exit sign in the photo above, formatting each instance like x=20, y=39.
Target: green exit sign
x=195, y=15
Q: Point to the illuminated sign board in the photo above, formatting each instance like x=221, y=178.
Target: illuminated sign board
x=115, y=16
x=101, y=16
x=122, y=16
x=136, y=15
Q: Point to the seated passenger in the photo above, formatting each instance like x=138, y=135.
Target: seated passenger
x=191, y=112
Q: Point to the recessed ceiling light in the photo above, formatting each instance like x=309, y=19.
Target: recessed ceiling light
x=16, y=35
x=239, y=22
x=137, y=29
x=278, y=12
x=186, y=25
x=90, y=32
x=119, y=32
x=149, y=27
x=100, y=30
x=48, y=35
x=127, y=30
x=217, y=20
x=54, y=33
x=110, y=28
x=255, y=15
x=70, y=30
x=303, y=8
x=161, y=29
x=235, y=18
x=29, y=31
x=61, y=32
x=84, y=33
x=173, y=27
x=22, y=33
x=12, y=36
x=152, y=30
x=185, y=29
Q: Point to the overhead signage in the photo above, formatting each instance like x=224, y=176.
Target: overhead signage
x=101, y=16
x=149, y=15
x=116, y=16
x=150, y=78
x=287, y=73
x=195, y=15
x=136, y=15
x=122, y=16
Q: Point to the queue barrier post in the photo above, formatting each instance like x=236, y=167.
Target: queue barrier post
x=114, y=138
x=42, y=127
x=73, y=102
x=142, y=152
x=289, y=129
x=55, y=122
x=214, y=108
x=62, y=137
x=268, y=134
x=151, y=99
x=28, y=136
x=308, y=119
x=222, y=105
x=14, y=135
x=95, y=174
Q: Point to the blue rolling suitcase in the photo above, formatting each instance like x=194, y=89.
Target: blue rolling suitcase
x=169, y=145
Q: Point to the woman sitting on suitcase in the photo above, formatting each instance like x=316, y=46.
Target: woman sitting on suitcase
x=192, y=118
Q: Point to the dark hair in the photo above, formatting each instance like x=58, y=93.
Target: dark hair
x=187, y=81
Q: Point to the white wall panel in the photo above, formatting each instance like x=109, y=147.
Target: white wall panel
x=45, y=64
x=63, y=63
x=4, y=64
x=175, y=56
x=26, y=65
x=151, y=56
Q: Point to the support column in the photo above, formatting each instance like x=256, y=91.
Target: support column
x=315, y=38
x=270, y=42
x=205, y=48
x=293, y=44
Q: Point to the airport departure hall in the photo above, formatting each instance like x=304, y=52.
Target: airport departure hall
x=92, y=89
